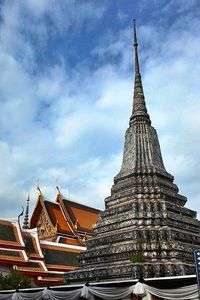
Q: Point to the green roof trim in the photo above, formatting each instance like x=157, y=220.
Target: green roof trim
x=7, y=233
x=29, y=244
x=33, y=264
x=10, y=253
x=57, y=257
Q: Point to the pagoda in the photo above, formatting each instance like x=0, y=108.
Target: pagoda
x=145, y=229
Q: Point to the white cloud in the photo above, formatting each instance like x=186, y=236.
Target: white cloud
x=122, y=16
x=68, y=123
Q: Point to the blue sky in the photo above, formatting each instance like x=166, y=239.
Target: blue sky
x=66, y=94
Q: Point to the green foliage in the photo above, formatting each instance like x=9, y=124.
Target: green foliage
x=141, y=240
x=15, y=280
x=138, y=257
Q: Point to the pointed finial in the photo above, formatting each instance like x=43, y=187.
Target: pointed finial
x=26, y=217
x=39, y=191
x=38, y=188
x=58, y=189
x=56, y=226
x=135, y=34
x=139, y=105
x=84, y=237
x=137, y=66
x=76, y=224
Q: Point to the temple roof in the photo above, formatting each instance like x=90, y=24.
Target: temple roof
x=10, y=233
x=21, y=250
x=33, y=266
x=60, y=257
x=57, y=217
x=81, y=215
x=12, y=247
x=66, y=218
x=32, y=244
x=68, y=241
x=11, y=256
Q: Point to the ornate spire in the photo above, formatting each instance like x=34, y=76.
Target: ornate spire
x=141, y=149
x=26, y=217
x=139, y=105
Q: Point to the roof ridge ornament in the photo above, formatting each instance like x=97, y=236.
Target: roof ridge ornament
x=20, y=215
x=39, y=191
x=26, y=217
x=58, y=189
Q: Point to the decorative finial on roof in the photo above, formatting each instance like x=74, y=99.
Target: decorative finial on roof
x=76, y=224
x=56, y=226
x=39, y=191
x=26, y=217
x=58, y=189
x=21, y=214
x=84, y=237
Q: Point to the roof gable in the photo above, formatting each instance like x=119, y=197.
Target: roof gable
x=57, y=217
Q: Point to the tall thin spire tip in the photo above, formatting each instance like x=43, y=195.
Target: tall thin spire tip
x=135, y=33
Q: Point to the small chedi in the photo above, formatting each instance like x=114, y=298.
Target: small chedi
x=145, y=228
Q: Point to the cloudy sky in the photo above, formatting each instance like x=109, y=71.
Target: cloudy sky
x=66, y=88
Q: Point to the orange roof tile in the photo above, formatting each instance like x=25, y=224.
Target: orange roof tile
x=36, y=213
x=86, y=216
x=64, y=268
x=56, y=247
x=57, y=217
x=69, y=241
